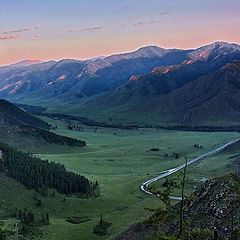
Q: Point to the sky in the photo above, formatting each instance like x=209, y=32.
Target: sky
x=80, y=29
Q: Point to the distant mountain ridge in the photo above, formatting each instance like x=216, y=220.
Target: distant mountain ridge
x=122, y=85
x=179, y=94
x=163, y=80
x=79, y=79
x=82, y=78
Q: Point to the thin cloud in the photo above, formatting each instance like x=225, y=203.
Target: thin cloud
x=125, y=7
x=35, y=38
x=131, y=17
x=17, y=31
x=8, y=37
x=152, y=21
x=164, y=13
x=20, y=30
x=139, y=23
x=89, y=29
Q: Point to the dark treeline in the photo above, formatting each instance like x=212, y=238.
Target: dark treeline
x=232, y=128
x=75, y=127
x=194, y=128
x=85, y=121
x=89, y=122
x=51, y=137
x=37, y=174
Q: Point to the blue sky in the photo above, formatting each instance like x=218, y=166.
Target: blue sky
x=86, y=28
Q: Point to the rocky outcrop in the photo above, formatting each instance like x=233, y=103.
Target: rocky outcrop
x=212, y=207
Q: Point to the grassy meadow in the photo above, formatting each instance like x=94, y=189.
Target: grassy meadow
x=120, y=160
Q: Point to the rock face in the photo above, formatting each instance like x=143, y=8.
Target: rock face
x=212, y=206
x=213, y=199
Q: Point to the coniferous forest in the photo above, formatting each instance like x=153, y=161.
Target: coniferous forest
x=37, y=174
x=53, y=138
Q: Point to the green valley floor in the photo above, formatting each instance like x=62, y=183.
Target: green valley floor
x=120, y=160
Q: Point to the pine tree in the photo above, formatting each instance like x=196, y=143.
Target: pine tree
x=47, y=218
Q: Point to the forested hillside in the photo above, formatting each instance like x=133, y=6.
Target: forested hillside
x=37, y=174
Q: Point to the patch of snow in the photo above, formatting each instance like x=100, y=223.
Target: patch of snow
x=62, y=77
x=6, y=87
x=133, y=78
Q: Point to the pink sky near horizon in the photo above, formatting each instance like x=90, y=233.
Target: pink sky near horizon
x=80, y=36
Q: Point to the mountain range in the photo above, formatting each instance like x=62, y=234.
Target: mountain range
x=152, y=84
